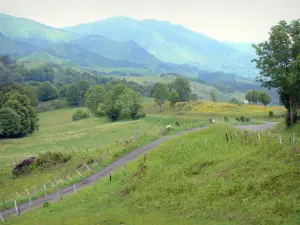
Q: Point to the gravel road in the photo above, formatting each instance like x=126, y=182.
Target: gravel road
x=25, y=207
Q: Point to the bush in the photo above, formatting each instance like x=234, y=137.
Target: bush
x=271, y=113
x=80, y=114
x=177, y=124
x=235, y=101
x=226, y=119
x=52, y=105
x=243, y=119
x=51, y=158
x=139, y=115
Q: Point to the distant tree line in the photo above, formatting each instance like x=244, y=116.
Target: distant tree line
x=177, y=91
x=255, y=97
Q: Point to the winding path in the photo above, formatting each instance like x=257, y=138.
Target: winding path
x=25, y=207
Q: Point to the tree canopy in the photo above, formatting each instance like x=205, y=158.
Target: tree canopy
x=278, y=60
x=46, y=91
x=94, y=96
x=160, y=94
x=182, y=86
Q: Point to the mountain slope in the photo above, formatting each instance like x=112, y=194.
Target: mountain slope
x=26, y=30
x=11, y=47
x=242, y=46
x=116, y=50
x=172, y=43
x=74, y=54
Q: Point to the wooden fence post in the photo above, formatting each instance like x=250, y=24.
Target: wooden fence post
x=280, y=141
x=30, y=203
x=17, y=209
x=1, y=217
x=294, y=141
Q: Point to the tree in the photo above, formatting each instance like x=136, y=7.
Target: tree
x=74, y=94
x=264, y=98
x=213, y=95
x=94, y=96
x=252, y=96
x=278, y=61
x=194, y=97
x=182, y=86
x=46, y=91
x=9, y=123
x=234, y=100
x=173, y=98
x=160, y=94
x=83, y=86
x=121, y=102
x=20, y=104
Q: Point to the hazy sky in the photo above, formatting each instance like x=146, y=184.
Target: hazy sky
x=230, y=20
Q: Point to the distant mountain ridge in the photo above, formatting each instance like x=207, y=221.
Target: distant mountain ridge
x=172, y=43
x=121, y=41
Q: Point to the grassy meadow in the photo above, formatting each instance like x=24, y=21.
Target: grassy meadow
x=95, y=139
x=208, y=180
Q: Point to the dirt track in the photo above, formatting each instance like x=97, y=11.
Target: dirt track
x=120, y=162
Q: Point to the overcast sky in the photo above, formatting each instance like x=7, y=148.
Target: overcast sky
x=226, y=20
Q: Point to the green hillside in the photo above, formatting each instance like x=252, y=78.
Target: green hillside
x=116, y=50
x=30, y=31
x=205, y=180
x=172, y=43
x=40, y=57
x=10, y=47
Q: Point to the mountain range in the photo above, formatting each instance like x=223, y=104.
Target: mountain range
x=122, y=42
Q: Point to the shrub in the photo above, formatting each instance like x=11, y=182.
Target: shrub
x=226, y=119
x=139, y=115
x=243, y=119
x=271, y=113
x=80, y=114
x=52, y=105
x=177, y=124
x=51, y=158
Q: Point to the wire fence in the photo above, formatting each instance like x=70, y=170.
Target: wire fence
x=247, y=138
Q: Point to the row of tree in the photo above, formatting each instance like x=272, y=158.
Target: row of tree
x=255, y=97
x=177, y=91
x=115, y=100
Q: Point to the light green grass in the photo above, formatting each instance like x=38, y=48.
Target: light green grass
x=206, y=181
x=58, y=133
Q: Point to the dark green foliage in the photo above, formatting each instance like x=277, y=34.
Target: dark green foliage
x=49, y=159
x=264, y=98
x=10, y=123
x=271, y=113
x=182, y=86
x=243, y=119
x=74, y=94
x=94, y=97
x=226, y=119
x=80, y=114
x=173, y=98
x=52, y=105
x=160, y=94
x=46, y=91
x=279, y=64
x=20, y=103
x=177, y=124
x=121, y=102
x=252, y=96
